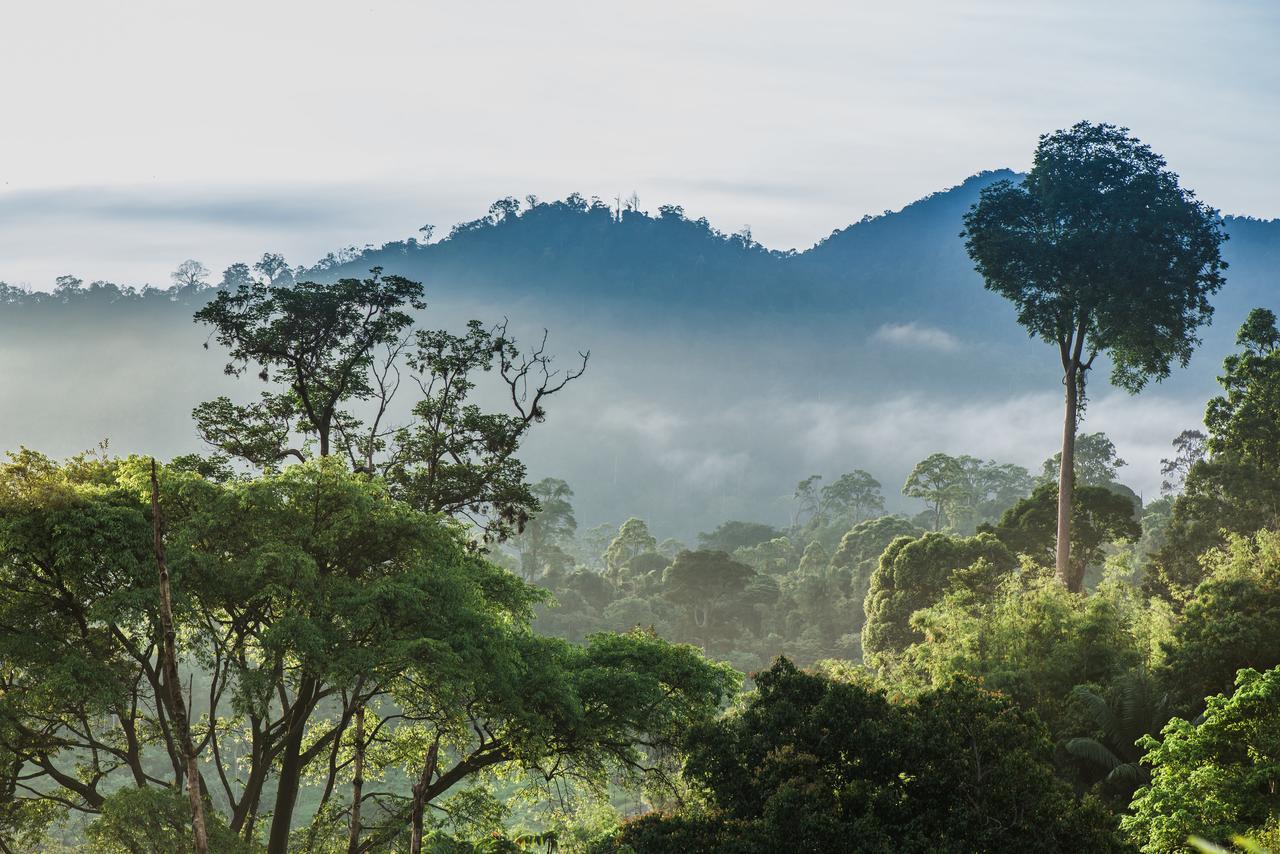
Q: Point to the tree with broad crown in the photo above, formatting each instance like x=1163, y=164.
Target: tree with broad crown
x=190, y=274
x=336, y=347
x=340, y=345
x=1095, y=458
x=934, y=479
x=702, y=582
x=915, y=573
x=318, y=339
x=1100, y=251
x=633, y=538
x=854, y=493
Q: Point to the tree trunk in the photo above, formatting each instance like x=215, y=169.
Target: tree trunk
x=420, y=797
x=357, y=783
x=178, y=709
x=290, y=769
x=245, y=812
x=1066, y=480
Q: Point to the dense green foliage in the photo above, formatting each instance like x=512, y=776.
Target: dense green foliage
x=299, y=589
x=1228, y=621
x=813, y=763
x=915, y=573
x=1232, y=484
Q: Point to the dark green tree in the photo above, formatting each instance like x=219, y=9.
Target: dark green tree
x=817, y=764
x=336, y=351
x=318, y=341
x=1100, y=251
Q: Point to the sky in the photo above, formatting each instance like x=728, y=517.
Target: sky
x=137, y=134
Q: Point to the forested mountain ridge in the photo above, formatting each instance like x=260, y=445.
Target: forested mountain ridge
x=592, y=250
x=866, y=272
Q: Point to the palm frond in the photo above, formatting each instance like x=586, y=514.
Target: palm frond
x=1097, y=707
x=1128, y=774
x=1093, y=751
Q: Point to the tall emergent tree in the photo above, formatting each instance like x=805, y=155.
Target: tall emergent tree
x=1100, y=250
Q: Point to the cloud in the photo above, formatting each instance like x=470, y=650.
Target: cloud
x=887, y=436
x=654, y=425
x=917, y=336
x=678, y=459
x=194, y=206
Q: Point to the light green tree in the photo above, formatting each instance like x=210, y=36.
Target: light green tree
x=633, y=538
x=1217, y=778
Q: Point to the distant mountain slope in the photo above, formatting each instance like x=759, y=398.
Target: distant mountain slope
x=907, y=262
x=722, y=371
x=580, y=249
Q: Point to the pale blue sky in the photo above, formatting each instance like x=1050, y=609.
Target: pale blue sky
x=138, y=134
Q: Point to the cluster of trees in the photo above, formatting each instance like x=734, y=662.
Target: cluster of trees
x=302, y=628
x=358, y=627
x=748, y=592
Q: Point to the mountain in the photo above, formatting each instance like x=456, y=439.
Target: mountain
x=722, y=372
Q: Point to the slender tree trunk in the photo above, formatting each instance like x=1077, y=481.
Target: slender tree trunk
x=246, y=812
x=1066, y=479
x=290, y=769
x=178, y=710
x=357, y=783
x=420, y=797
